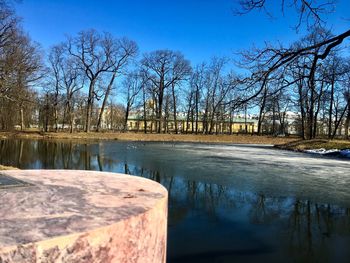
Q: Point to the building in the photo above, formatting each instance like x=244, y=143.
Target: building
x=237, y=125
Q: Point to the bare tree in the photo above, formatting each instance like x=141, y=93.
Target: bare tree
x=309, y=12
x=273, y=59
x=133, y=85
x=122, y=51
x=66, y=80
x=197, y=86
x=346, y=83
x=164, y=68
x=20, y=67
x=95, y=56
x=56, y=64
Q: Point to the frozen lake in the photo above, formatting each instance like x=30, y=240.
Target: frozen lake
x=227, y=203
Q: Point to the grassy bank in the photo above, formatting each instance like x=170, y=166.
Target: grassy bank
x=3, y=167
x=243, y=139
x=300, y=145
x=287, y=143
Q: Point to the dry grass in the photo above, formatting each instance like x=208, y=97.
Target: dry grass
x=301, y=145
x=288, y=143
x=243, y=139
x=2, y=167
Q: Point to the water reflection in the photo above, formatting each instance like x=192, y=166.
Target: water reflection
x=208, y=222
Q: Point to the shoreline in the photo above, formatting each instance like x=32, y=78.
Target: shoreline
x=5, y=168
x=338, y=149
x=129, y=136
x=314, y=144
x=321, y=147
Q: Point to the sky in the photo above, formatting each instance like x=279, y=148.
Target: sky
x=200, y=29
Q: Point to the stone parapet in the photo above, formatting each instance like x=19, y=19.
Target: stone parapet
x=82, y=216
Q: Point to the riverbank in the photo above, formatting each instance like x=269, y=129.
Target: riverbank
x=3, y=167
x=284, y=143
x=239, y=139
x=305, y=145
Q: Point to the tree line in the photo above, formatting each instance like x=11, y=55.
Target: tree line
x=95, y=80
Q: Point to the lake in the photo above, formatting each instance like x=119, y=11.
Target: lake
x=227, y=203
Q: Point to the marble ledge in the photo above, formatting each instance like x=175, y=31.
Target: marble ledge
x=82, y=216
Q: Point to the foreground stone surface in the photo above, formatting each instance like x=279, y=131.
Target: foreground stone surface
x=82, y=216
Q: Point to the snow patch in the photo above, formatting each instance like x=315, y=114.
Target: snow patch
x=322, y=151
x=345, y=153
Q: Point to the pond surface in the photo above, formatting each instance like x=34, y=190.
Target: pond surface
x=227, y=203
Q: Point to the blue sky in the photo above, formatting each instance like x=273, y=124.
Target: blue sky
x=198, y=28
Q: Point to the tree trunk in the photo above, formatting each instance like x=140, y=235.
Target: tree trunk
x=262, y=108
x=71, y=122
x=302, y=110
x=22, y=118
x=89, y=106
x=311, y=84
x=108, y=91
x=174, y=101
x=197, y=108
x=188, y=118
x=127, y=110
x=245, y=119
x=339, y=121
x=192, y=121
x=347, y=122
x=56, y=119
x=330, y=115
x=65, y=113
x=273, y=118
x=47, y=114
x=231, y=120
x=205, y=117
x=145, y=111
x=160, y=105
x=317, y=110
